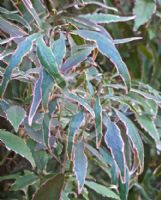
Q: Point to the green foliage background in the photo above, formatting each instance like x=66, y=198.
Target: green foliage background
x=80, y=99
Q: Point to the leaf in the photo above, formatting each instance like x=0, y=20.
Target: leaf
x=76, y=59
x=23, y=48
x=10, y=176
x=102, y=190
x=13, y=30
x=149, y=126
x=134, y=136
x=107, y=48
x=15, y=17
x=23, y=181
x=80, y=164
x=37, y=97
x=125, y=40
x=80, y=100
x=143, y=11
x=59, y=49
x=46, y=128
x=32, y=11
x=51, y=189
x=106, y=18
x=41, y=157
x=97, y=3
x=115, y=143
x=48, y=61
x=16, y=115
x=47, y=85
x=98, y=121
x=74, y=125
x=16, y=144
x=124, y=187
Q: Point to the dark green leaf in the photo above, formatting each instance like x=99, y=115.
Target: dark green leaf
x=16, y=144
x=48, y=61
x=22, y=182
x=51, y=189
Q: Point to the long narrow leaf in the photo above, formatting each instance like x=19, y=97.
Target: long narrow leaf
x=107, y=48
x=134, y=136
x=116, y=145
x=74, y=125
x=37, y=97
x=48, y=61
x=80, y=164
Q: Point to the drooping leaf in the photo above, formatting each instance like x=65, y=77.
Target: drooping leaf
x=124, y=187
x=106, y=18
x=59, y=49
x=46, y=129
x=16, y=144
x=125, y=40
x=74, y=125
x=23, y=48
x=15, y=17
x=51, y=189
x=41, y=157
x=37, y=97
x=143, y=10
x=149, y=126
x=102, y=190
x=134, y=136
x=115, y=143
x=76, y=59
x=22, y=182
x=79, y=100
x=48, y=61
x=16, y=115
x=110, y=161
x=80, y=164
x=47, y=85
x=32, y=11
x=98, y=120
x=112, y=53
x=97, y=3
x=13, y=30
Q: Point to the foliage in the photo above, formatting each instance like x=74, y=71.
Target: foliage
x=71, y=116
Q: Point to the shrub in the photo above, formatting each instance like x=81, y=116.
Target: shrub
x=75, y=122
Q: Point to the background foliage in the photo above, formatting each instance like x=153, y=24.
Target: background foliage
x=73, y=124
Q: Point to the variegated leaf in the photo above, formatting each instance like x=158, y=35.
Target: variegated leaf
x=98, y=120
x=74, y=125
x=80, y=164
x=115, y=143
x=48, y=61
x=37, y=97
x=112, y=53
x=134, y=136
